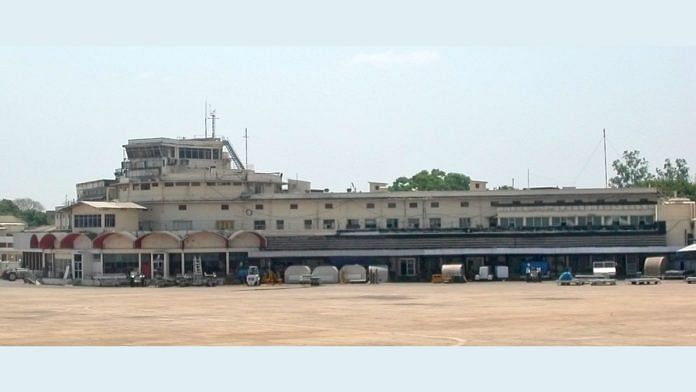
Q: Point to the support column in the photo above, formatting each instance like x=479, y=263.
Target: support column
x=140, y=263
x=227, y=262
x=183, y=264
x=165, y=268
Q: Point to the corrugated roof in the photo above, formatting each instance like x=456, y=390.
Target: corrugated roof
x=108, y=205
x=114, y=205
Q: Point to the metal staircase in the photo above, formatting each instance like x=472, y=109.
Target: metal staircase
x=235, y=158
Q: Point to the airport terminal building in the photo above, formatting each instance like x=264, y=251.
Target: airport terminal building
x=173, y=200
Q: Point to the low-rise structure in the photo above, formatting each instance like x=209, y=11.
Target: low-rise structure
x=174, y=200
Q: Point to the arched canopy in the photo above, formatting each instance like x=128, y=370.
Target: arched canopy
x=75, y=241
x=247, y=239
x=48, y=241
x=205, y=239
x=34, y=241
x=114, y=240
x=159, y=240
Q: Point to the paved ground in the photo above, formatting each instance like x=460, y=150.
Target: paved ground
x=491, y=313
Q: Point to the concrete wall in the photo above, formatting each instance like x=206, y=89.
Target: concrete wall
x=679, y=215
x=204, y=215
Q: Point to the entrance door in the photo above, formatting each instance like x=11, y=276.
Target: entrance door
x=157, y=265
x=77, y=269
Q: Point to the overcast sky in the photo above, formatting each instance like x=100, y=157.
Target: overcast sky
x=339, y=115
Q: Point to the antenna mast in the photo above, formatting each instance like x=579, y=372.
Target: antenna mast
x=205, y=118
x=246, y=148
x=213, y=117
x=604, y=136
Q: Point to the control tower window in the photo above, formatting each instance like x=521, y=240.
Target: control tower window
x=195, y=153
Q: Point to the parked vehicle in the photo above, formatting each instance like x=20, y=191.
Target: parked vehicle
x=11, y=270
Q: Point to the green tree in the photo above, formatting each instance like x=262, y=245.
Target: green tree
x=7, y=207
x=675, y=179
x=631, y=170
x=677, y=172
x=31, y=216
x=434, y=180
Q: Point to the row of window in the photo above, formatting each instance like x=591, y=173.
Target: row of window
x=330, y=224
x=556, y=202
x=544, y=221
x=94, y=220
x=330, y=206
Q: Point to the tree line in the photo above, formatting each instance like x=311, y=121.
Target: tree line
x=633, y=170
x=28, y=210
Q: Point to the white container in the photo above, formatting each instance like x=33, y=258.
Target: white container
x=382, y=272
x=294, y=273
x=452, y=270
x=502, y=272
x=353, y=272
x=326, y=274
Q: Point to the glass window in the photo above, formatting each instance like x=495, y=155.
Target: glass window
x=259, y=225
x=259, y=206
x=280, y=224
x=413, y=223
x=370, y=223
x=109, y=220
x=329, y=224
x=182, y=207
x=464, y=204
x=435, y=204
x=308, y=224
x=412, y=205
x=392, y=223
x=224, y=225
x=407, y=267
x=391, y=205
x=370, y=205
x=352, y=224
x=293, y=206
x=464, y=223
x=328, y=206
x=224, y=206
x=435, y=223
x=87, y=221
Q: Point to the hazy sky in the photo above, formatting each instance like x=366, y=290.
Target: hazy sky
x=339, y=115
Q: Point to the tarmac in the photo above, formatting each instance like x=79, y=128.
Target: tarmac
x=403, y=314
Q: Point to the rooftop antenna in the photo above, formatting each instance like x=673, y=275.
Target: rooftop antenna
x=213, y=117
x=205, y=118
x=246, y=148
x=604, y=135
x=528, y=186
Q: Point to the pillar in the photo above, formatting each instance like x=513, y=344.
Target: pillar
x=227, y=262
